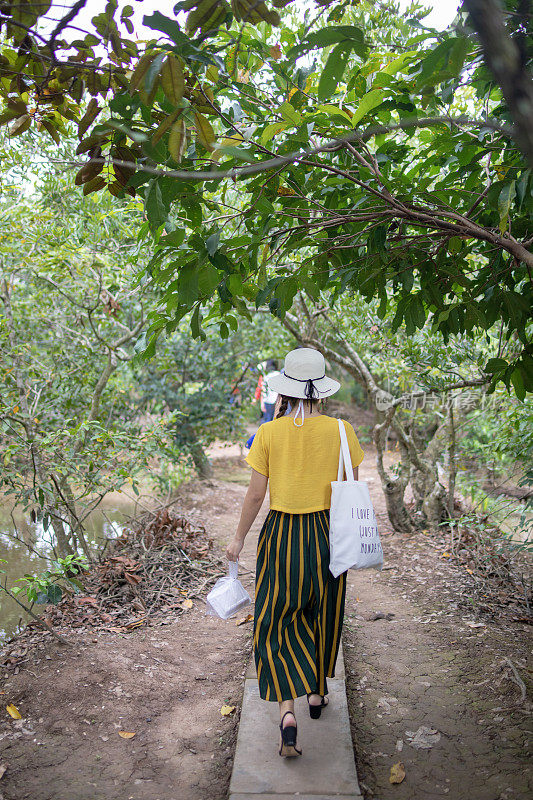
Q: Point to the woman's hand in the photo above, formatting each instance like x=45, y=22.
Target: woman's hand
x=234, y=548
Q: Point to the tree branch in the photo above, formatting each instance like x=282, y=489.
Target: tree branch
x=290, y=158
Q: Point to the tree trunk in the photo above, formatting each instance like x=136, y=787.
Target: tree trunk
x=393, y=488
x=450, y=459
x=398, y=515
x=434, y=506
x=63, y=544
x=506, y=57
x=76, y=527
x=204, y=468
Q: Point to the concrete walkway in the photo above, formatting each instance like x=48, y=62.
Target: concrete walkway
x=326, y=768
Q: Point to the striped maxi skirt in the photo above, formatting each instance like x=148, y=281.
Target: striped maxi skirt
x=299, y=606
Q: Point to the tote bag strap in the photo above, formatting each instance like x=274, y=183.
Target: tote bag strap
x=345, y=460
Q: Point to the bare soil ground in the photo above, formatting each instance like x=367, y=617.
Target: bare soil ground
x=428, y=684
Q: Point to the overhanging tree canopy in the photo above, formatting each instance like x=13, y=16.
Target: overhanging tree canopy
x=323, y=156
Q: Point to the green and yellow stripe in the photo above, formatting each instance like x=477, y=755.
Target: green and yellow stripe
x=299, y=606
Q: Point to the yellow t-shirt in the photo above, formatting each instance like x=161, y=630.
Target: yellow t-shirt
x=300, y=463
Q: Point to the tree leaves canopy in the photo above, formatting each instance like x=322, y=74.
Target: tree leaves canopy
x=346, y=150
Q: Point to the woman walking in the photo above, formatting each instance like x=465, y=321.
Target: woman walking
x=299, y=605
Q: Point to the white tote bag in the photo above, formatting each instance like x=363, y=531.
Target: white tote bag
x=353, y=532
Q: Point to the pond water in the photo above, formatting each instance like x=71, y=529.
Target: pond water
x=106, y=522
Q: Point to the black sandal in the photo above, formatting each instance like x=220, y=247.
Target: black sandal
x=288, y=739
x=316, y=710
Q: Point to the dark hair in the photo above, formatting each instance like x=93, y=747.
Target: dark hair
x=271, y=364
x=286, y=399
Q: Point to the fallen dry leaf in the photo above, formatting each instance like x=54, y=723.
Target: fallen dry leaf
x=225, y=710
x=13, y=711
x=397, y=773
x=187, y=603
x=89, y=601
x=3, y=768
x=247, y=618
x=126, y=734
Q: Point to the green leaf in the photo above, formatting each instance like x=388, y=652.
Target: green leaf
x=177, y=140
x=152, y=73
x=333, y=70
x=20, y=125
x=206, y=134
x=78, y=585
x=212, y=243
x=518, y=382
x=433, y=61
x=93, y=109
x=377, y=239
x=521, y=186
x=418, y=313
x=172, y=79
x=372, y=99
x=455, y=244
x=158, y=22
x=224, y=330
x=188, y=284
x=271, y=130
x=195, y=322
x=55, y=593
x=208, y=280
x=334, y=111
x=496, y=365
x=155, y=208
x=397, y=63
x=193, y=209
x=173, y=239
x=504, y=204
x=289, y=113
x=328, y=36
x=235, y=284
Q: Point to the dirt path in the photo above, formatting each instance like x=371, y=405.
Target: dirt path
x=435, y=664
x=425, y=666
x=430, y=669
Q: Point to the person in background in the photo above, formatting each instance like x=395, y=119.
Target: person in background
x=257, y=395
x=267, y=396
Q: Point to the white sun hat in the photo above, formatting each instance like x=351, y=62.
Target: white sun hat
x=304, y=376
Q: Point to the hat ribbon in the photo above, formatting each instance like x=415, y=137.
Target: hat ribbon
x=310, y=388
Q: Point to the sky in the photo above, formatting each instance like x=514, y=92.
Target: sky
x=442, y=14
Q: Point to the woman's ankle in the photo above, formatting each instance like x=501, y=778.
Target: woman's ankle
x=289, y=720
